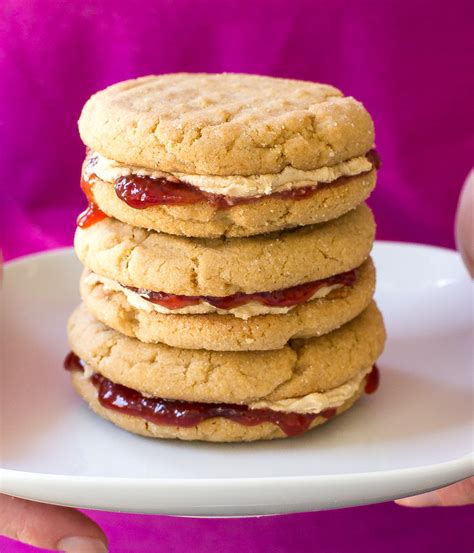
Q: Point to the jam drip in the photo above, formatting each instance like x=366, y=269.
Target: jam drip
x=372, y=381
x=374, y=158
x=72, y=362
x=92, y=214
x=286, y=297
x=187, y=414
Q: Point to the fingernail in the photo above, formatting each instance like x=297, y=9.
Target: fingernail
x=80, y=544
x=429, y=499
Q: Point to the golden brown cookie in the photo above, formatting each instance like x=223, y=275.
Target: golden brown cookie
x=267, y=214
x=225, y=124
x=223, y=332
x=220, y=267
x=302, y=367
x=217, y=429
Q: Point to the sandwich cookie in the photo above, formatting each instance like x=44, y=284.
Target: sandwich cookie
x=159, y=391
x=169, y=205
x=225, y=154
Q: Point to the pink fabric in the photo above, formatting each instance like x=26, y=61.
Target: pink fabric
x=410, y=62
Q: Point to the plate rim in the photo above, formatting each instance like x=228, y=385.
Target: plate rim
x=250, y=496
x=460, y=464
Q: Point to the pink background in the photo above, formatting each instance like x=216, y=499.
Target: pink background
x=410, y=62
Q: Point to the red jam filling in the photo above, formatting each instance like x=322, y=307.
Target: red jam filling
x=372, y=381
x=186, y=414
x=287, y=297
x=140, y=192
x=92, y=214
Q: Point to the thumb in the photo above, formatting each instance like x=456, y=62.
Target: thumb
x=461, y=493
x=465, y=223
x=50, y=526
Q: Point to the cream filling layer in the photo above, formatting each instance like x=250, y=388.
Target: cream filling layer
x=246, y=311
x=318, y=401
x=290, y=178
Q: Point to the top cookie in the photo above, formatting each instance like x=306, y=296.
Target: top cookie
x=225, y=124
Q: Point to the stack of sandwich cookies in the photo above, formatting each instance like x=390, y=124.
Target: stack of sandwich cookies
x=227, y=286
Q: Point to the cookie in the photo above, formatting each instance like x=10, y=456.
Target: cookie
x=267, y=214
x=217, y=429
x=300, y=368
x=221, y=332
x=225, y=124
x=220, y=267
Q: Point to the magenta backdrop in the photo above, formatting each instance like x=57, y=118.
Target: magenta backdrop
x=410, y=62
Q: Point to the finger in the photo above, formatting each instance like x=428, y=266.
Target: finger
x=465, y=223
x=461, y=493
x=50, y=526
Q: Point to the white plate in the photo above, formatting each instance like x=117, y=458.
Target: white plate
x=413, y=435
